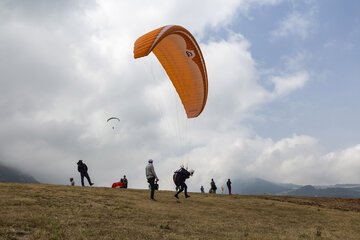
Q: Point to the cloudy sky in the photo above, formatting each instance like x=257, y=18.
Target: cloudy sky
x=283, y=101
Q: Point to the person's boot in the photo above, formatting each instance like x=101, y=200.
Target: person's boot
x=187, y=196
x=176, y=196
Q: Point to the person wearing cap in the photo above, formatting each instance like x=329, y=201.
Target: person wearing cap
x=151, y=177
x=83, y=170
x=179, y=179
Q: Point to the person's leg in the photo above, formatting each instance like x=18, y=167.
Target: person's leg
x=230, y=191
x=88, y=178
x=152, y=189
x=151, y=181
x=179, y=191
x=82, y=179
x=185, y=188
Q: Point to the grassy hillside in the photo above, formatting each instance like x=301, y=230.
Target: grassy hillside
x=39, y=211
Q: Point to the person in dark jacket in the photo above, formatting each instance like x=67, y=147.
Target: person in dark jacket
x=228, y=183
x=83, y=170
x=179, y=179
x=124, y=181
x=213, y=186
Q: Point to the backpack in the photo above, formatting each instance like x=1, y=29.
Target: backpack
x=176, y=178
x=180, y=176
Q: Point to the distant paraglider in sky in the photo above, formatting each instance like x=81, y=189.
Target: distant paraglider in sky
x=113, y=118
x=181, y=57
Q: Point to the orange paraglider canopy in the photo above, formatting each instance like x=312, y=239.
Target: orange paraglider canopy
x=181, y=57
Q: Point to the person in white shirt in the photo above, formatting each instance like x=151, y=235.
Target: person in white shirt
x=151, y=177
x=72, y=182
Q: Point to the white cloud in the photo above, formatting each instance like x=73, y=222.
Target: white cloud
x=295, y=24
x=298, y=159
x=286, y=84
x=342, y=166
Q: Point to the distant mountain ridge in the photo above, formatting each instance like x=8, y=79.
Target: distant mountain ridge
x=258, y=186
x=333, y=192
x=8, y=174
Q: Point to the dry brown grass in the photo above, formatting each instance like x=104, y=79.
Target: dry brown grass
x=39, y=211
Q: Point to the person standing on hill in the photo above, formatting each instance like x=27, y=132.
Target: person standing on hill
x=179, y=178
x=151, y=177
x=213, y=186
x=202, y=189
x=72, y=182
x=83, y=170
x=228, y=183
x=124, y=181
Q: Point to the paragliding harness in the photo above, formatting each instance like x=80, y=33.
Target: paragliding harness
x=180, y=176
x=156, y=185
